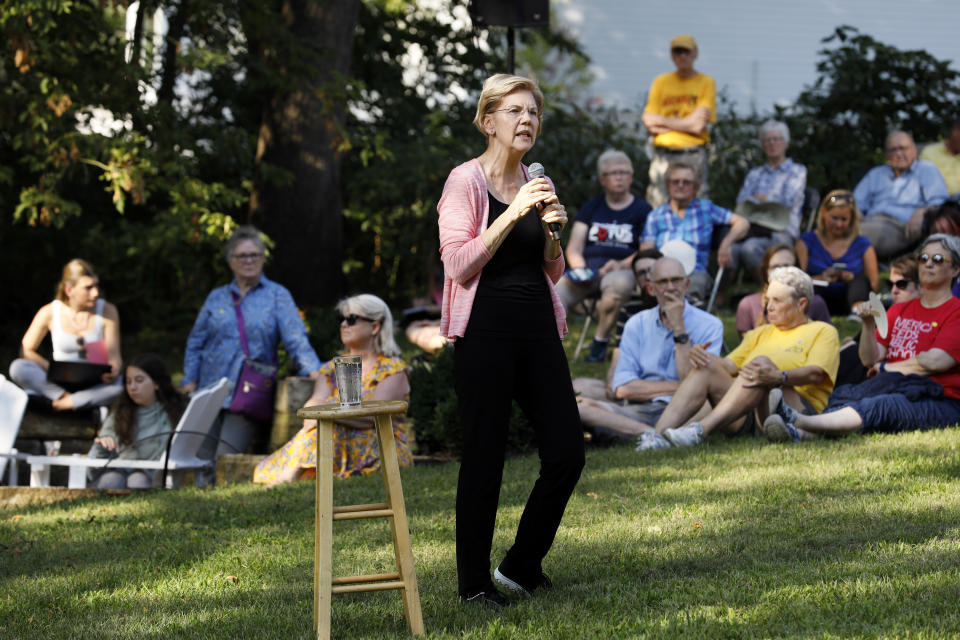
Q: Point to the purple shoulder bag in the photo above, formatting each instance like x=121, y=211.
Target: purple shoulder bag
x=253, y=396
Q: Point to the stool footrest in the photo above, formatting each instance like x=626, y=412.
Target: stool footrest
x=354, y=515
x=367, y=586
x=371, y=577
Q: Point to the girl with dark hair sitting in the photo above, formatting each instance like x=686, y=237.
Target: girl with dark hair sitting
x=139, y=423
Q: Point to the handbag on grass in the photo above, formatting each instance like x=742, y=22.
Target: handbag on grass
x=253, y=396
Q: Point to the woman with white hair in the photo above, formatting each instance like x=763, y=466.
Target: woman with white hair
x=918, y=386
x=778, y=184
x=366, y=329
x=791, y=353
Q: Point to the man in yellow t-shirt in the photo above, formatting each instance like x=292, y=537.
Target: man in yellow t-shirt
x=679, y=106
x=946, y=156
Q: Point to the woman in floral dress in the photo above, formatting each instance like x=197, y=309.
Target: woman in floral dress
x=366, y=329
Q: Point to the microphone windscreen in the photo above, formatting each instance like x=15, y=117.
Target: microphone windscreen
x=536, y=170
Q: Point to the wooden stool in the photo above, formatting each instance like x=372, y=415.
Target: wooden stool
x=325, y=585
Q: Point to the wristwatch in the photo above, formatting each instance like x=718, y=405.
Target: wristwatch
x=681, y=338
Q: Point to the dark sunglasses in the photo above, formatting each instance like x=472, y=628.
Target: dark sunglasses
x=937, y=258
x=352, y=319
x=83, y=347
x=902, y=283
x=839, y=199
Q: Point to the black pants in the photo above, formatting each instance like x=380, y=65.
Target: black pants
x=489, y=373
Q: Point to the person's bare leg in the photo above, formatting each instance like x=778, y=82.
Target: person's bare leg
x=607, y=309
x=728, y=414
x=590, y=388
x=698, y=387
x=595, y=416
x=840, y=422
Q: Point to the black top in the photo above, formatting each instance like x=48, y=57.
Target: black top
x=516, y=269
x=513, y=300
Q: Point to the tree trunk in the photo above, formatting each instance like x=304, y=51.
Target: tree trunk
x=305, y=60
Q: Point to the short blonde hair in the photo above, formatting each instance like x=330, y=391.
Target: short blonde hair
x=498, y=87
x=855, y=215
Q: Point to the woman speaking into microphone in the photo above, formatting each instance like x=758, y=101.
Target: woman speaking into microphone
x=505, y=318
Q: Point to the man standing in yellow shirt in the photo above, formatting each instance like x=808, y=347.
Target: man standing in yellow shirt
x=679, y=106
x=946, y=156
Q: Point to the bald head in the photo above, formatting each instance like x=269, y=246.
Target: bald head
x=668, y=277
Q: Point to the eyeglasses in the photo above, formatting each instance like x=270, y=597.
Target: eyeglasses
x=83, y=347
x=247, y=257
x=618, y=173
x=839, y=199
x=516, y=111
x=937, y=258
x=352, y=319
x=902, y=283
x=681, y=182
x=899, y=149
x=662, y=282
x=680, y=50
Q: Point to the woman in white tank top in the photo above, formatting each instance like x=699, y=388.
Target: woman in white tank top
x=82, y=327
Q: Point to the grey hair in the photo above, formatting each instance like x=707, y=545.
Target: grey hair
x=611, y=156
x=796, y=279
x=950, y=243
x=897, y=132
x=246, y=232
x=367, y=304
x=775, y=126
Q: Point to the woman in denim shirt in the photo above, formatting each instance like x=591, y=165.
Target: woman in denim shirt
x=214, y=349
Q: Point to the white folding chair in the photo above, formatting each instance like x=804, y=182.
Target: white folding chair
x=193, y=428
x=13, y=403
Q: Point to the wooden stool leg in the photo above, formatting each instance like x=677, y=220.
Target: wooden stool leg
x=400, y=528
x=323, y=534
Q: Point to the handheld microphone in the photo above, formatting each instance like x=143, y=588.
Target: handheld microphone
x=536, y=171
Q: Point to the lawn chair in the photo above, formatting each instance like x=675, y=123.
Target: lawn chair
x=13, y=403
x=191, y=431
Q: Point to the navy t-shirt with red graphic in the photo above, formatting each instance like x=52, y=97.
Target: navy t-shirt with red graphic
x=611, y=235
x=915, y=329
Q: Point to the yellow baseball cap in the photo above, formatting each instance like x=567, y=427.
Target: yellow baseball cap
x=683, y=41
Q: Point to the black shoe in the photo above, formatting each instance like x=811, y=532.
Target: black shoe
x=598, y=351
x=489, y=597
x=523, y=587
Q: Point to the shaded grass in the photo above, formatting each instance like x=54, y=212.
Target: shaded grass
x=849, y=538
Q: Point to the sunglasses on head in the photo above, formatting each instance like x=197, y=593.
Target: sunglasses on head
x=937, y=258
x=902, y=283
x=839, y=199
x=352, y=318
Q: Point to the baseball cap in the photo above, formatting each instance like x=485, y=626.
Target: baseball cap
x=683, y=41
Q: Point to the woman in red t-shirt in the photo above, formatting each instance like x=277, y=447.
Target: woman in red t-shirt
x=918, y=386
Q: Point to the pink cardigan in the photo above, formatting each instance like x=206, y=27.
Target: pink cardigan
x=464, y=209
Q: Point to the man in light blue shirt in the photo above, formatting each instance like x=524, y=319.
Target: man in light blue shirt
x=779, y=181
x=894, y=197
x=653, y=357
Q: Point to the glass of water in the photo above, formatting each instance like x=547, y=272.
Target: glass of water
x=349, y=386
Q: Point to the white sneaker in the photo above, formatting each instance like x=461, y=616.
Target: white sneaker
x=651, y=440
x=688, y=436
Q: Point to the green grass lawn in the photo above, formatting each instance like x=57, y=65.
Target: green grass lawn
x=848, y=538
x=858, y=537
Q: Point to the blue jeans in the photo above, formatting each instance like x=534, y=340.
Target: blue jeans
x=893, y=413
